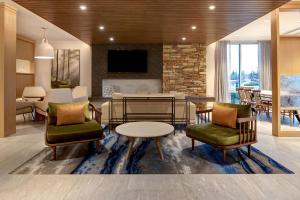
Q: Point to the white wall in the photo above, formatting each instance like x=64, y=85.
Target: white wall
x=43, y=67
x=210, y=69
x=43, y=73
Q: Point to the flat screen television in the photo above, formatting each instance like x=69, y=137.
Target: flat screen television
x=134, y=61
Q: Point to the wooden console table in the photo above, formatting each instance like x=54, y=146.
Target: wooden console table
x=200, y=99
x=160, y=115
x=157, y=116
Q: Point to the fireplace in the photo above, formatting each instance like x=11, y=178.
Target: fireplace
x=130, y=86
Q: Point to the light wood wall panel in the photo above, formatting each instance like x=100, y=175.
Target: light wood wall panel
x=25, y=51
x=25, y=48
x=24, y=80
x=7, y=70
x=289, y=55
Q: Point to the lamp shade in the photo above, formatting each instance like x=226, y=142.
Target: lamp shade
x=44, y=50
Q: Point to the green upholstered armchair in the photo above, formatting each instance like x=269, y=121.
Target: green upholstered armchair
x=225, y=138
x=62, y=135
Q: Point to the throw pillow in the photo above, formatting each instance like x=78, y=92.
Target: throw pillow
x=70, y=114
x=52, y=110
x=224, y=116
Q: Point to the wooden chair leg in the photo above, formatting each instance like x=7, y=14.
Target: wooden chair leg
x=293, y=118
x=201, y=118
x=249, y=150
x=98, y=146
x=32, y=115
x=224, y=155
x=193, y=144
x=54, y=152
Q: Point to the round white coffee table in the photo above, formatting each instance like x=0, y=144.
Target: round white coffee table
x=135, y=130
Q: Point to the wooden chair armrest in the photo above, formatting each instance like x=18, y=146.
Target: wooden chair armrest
x=97, y=111
x=95, y=108
x=246, y=119
x=209, y=110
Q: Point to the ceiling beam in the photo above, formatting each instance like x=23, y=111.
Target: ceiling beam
x=291, y=6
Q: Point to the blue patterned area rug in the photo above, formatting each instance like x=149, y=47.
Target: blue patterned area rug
x=179, y=159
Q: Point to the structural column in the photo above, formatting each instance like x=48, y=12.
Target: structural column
x=7, y=70
x=275, y=41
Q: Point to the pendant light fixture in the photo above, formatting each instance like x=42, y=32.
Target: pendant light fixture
x=44, y=50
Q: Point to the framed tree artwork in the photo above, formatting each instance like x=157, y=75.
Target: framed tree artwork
x=65, y=71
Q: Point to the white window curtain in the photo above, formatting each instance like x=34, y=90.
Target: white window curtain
x=222, y=92
x=264, y=65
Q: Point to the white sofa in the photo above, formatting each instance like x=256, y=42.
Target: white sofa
x=148, y=107
x=61, y=95
x=80, y=93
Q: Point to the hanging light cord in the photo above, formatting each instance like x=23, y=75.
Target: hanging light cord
x=44, y=34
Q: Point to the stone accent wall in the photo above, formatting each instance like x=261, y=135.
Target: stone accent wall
x=184, y=69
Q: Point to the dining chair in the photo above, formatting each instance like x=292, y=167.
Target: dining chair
x=242, y=96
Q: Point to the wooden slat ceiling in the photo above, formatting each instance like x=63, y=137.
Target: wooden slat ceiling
x=150, y=21
x=292, y=5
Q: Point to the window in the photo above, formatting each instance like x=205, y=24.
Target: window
x=234, y=64
x=243, y=63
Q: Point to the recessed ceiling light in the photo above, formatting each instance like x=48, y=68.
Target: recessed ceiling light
x=211, y=7
x=236, y=35
x=183, y=38
x=111, y=39
x=82, y=7
x=193, y=27
x=101, y=28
